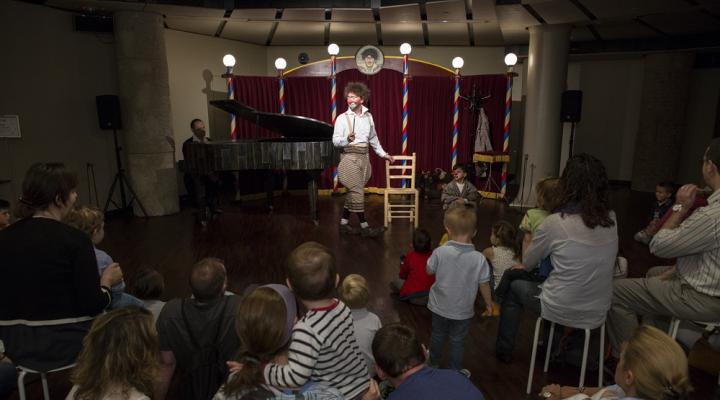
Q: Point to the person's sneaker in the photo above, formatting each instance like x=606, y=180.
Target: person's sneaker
x=371, y=232
x=642, y=237
x=348, y=230
x=465, y=372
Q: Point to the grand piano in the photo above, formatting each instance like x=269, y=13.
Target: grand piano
x=302, y=144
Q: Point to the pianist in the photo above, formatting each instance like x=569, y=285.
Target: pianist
x=202, y=189
x=355, y=133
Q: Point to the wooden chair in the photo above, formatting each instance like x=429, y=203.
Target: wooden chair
x=402, y=170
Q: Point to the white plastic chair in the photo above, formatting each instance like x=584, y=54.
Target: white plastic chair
x=675, y=325
x=22, y=371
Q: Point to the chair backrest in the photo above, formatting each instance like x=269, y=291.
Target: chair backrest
x=401, y=170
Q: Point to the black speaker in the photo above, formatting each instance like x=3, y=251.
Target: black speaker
x=108, y=109
x=571, y=106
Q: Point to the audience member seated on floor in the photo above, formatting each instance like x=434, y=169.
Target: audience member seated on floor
x=325, y=334
x=119, y=358
x=460, y=271
x=664, y=192
x=264, y=323
x=91, y=222
x=148, y=286
x=4, y=214
x=459, y=192
x=503, y=252
x=400, y=359
x=354, y=292
x=652, y=366
x=197, y=329
x=49, y=286
x=414, y=282
x=582, y=243
x=690, y=290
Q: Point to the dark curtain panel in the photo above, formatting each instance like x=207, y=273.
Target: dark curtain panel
x=260, y=93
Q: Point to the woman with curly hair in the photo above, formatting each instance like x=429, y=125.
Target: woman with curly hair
x=119, y=359
x=581, y=240
x=652, y=366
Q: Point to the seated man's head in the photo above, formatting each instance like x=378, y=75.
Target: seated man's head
x=396, y=350
x=460, y=222
x=4, y=213
x=311, y=272
x=198, y=128
x=369, y=56
x=208, y=279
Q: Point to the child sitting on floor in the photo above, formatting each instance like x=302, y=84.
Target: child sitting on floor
x=664, y=196
x=92, y=222
x=414, y=282
x=503, y=253
x=355, y=294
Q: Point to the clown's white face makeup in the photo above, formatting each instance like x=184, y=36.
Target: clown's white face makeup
x=354, y=101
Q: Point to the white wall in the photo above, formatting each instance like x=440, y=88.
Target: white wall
x=50, y=77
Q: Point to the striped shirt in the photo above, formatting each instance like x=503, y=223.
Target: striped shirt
x=323, y=349
x=696, y=245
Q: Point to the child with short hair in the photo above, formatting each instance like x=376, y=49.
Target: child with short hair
x=459, y=271
x=323, y=346
x=414, y=282
x=354, y=293
x=503, y=254
x=459, y=192
x=664, y=196
x=4, y=214
x=148, y=286
x=91, y=221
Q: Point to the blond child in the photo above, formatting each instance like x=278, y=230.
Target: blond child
x=459, y=271
x=355, y=294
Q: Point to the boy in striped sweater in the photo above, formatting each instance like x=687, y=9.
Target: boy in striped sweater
x=323, y=346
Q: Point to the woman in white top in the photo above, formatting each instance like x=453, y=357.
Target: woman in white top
x=652, y=366
x=119, y=359
x=582, y=242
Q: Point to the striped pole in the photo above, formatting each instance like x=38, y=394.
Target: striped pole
x=281, y=87
x=231, y=96
x=333, y=114
x=456, y=114
x=506, y=132
x=405, y=113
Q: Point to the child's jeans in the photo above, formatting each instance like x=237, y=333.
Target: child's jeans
x=456, y=330
x=122, y=299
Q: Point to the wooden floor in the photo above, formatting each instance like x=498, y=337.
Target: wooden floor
x=254, y=244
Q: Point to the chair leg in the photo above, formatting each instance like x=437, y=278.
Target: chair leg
x=584, y=359
x=549, y=347
x=417, y=210
x=674, y=327
x=386, y=209
x=21, y=384
x=46, y=391
x=534, y=352
x=602, y=355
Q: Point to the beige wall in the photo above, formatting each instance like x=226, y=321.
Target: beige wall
x=50, y=77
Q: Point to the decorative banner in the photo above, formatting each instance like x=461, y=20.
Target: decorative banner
x=506, y=133
x=333, y=114
x=405, y=113
x=231, y=96
x=456, y=114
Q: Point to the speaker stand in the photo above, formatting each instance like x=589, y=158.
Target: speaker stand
x=572, y=140
x=121, y=181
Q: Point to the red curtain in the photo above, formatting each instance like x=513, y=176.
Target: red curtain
x=430, y=108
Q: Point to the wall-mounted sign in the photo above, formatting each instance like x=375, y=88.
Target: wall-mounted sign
x=369, y=60
x=9, y=126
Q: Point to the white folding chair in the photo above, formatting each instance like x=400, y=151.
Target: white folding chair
x=22, y=371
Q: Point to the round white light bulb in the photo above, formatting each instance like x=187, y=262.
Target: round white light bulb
x=405, y=48
x=333, y=49
x=510, y=59
x=229, y=60
x=280, y=63
x=458, y=62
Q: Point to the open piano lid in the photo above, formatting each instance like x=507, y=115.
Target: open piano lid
x=290, y=127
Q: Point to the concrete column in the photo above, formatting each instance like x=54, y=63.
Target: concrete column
x=542, y=138
x=145, y=107
x=665, y=93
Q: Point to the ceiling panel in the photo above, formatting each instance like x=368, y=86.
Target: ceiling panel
x=559, y=12
x=251, y=32
x=353, y=33
x=400, y=13
x=633, y=8
x=262, y=14
x=352, y=15
x=484, y=11
x=182, y=11
x=687, y=23
x=624, y=30
x=303, y=14
x=514, y=20
x=451, y=10
x=395, y=34
x=299, y=33
x=448, y=34
x=488, y=34
x=201, y=25
x=581, y=34
x=97, y=6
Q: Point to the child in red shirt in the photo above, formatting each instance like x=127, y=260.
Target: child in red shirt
x=414, y=283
